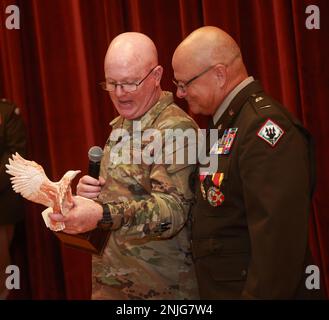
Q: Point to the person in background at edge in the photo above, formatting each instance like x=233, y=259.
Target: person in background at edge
x=12, y=140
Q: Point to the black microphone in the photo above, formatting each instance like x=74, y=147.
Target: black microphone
x=95, y=155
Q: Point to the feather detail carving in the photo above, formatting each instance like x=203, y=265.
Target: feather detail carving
x=29, y=179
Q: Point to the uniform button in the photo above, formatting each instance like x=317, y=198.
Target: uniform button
x=243, y=273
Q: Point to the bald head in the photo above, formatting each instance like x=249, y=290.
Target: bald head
x=131, y=61
x=132, y=48
x=212, y=59
x=208, y=45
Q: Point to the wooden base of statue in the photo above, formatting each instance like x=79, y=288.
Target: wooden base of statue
x=93, y=241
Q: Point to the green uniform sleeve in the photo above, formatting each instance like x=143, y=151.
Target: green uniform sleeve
x=276, y=192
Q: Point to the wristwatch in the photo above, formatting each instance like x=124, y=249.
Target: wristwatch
x=106, y=222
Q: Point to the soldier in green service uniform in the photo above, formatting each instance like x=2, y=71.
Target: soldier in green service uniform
x=145, y=204
x=12, y=139
x=250, y=223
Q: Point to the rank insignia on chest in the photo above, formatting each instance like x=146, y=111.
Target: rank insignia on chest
x=224, y=144
x=270, y=132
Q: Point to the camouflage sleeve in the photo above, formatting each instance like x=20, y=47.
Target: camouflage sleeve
x=163, y=212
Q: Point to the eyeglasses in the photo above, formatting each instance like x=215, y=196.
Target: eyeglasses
x=127, y=87
x=183, y=85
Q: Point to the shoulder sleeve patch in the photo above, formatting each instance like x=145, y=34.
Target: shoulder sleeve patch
x=270, y=132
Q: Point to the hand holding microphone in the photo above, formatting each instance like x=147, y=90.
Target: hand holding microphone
x=89, y=186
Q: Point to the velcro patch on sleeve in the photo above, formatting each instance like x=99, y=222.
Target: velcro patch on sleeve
x=270, y=132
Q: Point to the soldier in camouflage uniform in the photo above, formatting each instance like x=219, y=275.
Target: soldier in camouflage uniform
x=148, y=254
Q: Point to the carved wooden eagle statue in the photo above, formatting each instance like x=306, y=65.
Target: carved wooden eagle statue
x=29, y=179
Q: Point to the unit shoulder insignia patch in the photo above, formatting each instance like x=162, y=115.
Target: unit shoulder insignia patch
x=270, y=132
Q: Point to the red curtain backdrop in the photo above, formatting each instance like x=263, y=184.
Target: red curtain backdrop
x=51, y=67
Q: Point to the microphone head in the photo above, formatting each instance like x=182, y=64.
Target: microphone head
x=95, y=154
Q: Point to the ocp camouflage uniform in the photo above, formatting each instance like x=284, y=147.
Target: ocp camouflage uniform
x=149, y=256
